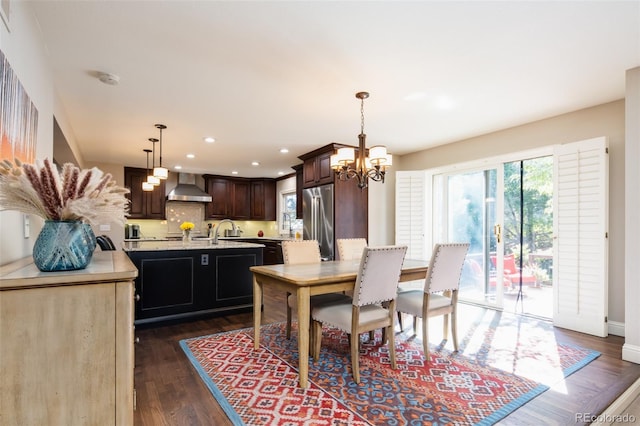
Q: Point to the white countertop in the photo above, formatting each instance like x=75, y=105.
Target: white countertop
x=157, y=245
x=278, y=238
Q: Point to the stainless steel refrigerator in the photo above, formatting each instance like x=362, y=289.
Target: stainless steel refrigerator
x=318, y=216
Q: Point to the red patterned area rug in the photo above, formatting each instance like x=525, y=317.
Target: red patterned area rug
x=479, y=385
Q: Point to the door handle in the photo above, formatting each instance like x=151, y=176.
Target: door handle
x=497, y=230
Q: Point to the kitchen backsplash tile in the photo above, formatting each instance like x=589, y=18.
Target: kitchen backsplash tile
x=179, y=211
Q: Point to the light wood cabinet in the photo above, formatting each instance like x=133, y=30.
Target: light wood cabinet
x=66, y=351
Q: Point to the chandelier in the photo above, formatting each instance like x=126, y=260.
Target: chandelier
x=160, y=172
x=372, y=166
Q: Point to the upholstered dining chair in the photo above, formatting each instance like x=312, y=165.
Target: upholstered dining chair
x=372, y=306
x=350, y=248
x=440, y=293
x=298, y=252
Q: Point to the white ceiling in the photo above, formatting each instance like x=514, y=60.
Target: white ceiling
x=260, y=76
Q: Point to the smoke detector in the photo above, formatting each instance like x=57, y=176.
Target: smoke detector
x=110, y=79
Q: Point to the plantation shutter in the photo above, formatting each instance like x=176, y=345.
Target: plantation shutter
x=411, y=212
x=580, y=277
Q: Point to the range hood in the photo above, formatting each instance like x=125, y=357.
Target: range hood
x=186, y=190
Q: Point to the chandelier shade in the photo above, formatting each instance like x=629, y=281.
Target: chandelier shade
x=372, y=166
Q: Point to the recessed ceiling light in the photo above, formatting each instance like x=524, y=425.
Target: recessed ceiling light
x=280, y=173
x=178, y=167
x=235, y=172
x=255, y=163
x=209, y=139
x=191, y=156
x=284, y=150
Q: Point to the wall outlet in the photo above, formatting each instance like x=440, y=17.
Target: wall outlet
x=204, y=259
x=105, y=227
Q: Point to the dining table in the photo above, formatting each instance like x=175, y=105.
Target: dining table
x=309, y=279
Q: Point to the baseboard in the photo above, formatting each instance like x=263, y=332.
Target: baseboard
x=631, y=353
x=615, y=412
x=616, y=328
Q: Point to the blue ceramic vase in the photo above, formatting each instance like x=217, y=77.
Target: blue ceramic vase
x=64, y=246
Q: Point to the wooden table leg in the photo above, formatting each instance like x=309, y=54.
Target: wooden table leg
x=303, y=334
x=257, y=311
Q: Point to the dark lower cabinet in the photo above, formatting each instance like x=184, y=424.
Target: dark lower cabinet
x=182, y=284
x=272, y=253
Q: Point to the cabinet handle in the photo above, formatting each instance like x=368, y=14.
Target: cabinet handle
x=136, y=297
x=136, y=340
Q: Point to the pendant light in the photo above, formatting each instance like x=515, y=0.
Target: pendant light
x=151, y=179
x=160, y=172
x=146, y=186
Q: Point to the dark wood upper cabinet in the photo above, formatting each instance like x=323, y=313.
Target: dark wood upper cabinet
x=263, y=199
x=240, y=198
x=220, y=190
x=299, y=184
x=144, y=204
x=316, y=169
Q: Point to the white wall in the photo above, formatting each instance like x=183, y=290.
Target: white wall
x=602, y=120
x=26, y=54
x=631, y=348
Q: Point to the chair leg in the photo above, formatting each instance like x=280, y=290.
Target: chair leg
x=400, y=320
x=316, y=334
x=425, y=338
x=372, y=335
x=445, y=327
x=355, y=354
x=288, y=323
x=415, y=325
x=454, y=328
x=392, y=346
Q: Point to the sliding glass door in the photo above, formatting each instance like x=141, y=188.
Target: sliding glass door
x=470, y=211
x=505, y=212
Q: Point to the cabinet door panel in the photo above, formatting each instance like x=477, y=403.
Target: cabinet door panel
x=166, y=285
x=63, y=366
x=241, y=207
x=220, y=192
x=323, y=169
x=235, y=280
x=133, y=181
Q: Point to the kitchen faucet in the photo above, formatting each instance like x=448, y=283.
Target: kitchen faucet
x=215, y=236
x=286, y=216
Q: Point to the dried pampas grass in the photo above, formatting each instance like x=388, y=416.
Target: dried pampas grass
x=73, y=194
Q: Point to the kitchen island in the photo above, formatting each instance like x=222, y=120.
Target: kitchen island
x=184, y=280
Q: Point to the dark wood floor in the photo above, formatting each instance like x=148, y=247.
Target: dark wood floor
x=169, y=391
